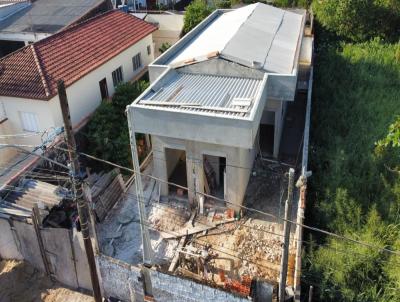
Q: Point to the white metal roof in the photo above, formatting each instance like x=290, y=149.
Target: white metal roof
x=219, y=95
x=256, y=35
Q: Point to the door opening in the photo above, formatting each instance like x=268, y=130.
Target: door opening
x=214, y=175
x=176, y=170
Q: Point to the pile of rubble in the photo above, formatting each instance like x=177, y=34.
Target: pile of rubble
x=168, y=217
x=257, y=244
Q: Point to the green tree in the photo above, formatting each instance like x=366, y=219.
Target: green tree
x=163, y=48
x=196, y=12
x=360, y=20
x=224, y=4
x=393, y=137
x=107, y=130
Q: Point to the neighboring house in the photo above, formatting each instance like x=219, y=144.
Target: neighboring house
x=169, y=26
x=23, y=22
x=219, y=95
x=92, y=58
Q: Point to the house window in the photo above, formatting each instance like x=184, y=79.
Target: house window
x=148, y=50
x=117, y=76
x=136, y=62
x=29, y=121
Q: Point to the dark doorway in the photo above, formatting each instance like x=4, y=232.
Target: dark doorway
x=103, y=89
x=267, y=133
x=215, y=174
x=176, y=170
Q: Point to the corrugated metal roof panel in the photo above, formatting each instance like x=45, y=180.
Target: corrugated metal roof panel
x=230, y=96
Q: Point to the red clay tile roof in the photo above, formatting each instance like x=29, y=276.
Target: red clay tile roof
x=33, y=71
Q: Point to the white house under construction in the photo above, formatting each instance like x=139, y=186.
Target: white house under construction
x=219, y=96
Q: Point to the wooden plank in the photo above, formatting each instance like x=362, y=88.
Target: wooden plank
x=194, y=230
x=206, y=186
x=111, y=195
x=174, y=261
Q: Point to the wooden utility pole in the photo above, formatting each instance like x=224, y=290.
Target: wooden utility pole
x=286, y=232
x=81, y=204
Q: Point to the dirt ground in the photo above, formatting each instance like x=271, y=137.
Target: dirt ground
x=20, y=282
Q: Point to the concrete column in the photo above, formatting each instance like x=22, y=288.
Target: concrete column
x=160, y=164
x=195, y=172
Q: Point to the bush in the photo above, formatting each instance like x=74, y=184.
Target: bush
x=360, y=20
x=223, y=4
x=108, y=132
x=292, y=3
x=355, y=187
x=164, y=47
x=196, y=12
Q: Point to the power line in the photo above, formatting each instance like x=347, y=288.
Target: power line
x=20, y=147
x=247, y=208
x=198, y=160
x=228, y=202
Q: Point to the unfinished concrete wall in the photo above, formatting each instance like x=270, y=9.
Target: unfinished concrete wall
x=81, y=263
x=239, y=163
x=123, y=281
x=8, y=245
x=28, y=244
x=120, y=280
x=174, y=289
x=64, y=251
x=59, y=254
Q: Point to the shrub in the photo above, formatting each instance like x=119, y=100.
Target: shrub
x=360, y=20
x=107, y=131
x=196, y=12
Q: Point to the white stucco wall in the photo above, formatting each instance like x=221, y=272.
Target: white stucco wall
x=13, y=125
x=83, y=96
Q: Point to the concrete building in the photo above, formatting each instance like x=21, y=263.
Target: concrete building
x=169, y=24
x=23, y=22
x=92, y=58
x=219, y=95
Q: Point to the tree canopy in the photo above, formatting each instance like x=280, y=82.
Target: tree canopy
x=195, y=13
x=107, y=131
x=360, y=20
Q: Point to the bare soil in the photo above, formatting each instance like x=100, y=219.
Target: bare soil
x=20, y=282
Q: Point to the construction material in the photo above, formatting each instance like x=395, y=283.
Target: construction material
x=34, y=191
x=242, y=287
x=174, y=261
x=193, y=230
x=106, y=192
